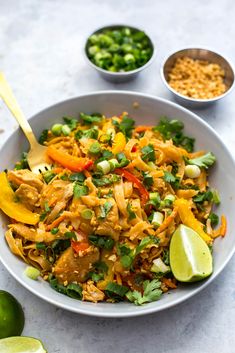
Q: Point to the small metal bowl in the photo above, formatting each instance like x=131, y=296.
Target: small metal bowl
x=201, y=54
x=124, y=76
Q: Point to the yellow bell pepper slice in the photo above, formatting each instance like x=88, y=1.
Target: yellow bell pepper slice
x=12, y=208
x=119, y=143
x=187, y=217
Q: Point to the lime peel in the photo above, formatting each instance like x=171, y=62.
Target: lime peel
x=190, y=257
x=21, y=345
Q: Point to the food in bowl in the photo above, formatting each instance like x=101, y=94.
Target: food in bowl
x=119, y=49
x=198, y=79
x=98, y=225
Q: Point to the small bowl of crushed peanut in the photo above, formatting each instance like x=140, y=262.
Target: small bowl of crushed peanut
x=197, y=77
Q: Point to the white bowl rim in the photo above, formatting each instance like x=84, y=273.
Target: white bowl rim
x=146, y=310
x=195, y=100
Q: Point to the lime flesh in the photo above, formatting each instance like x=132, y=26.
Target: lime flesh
x=21, y=345
x=11, y=316
x=190, y=257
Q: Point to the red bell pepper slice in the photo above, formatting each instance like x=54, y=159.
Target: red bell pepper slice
x=144, y=194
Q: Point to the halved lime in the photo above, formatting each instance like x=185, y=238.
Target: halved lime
x=21, y=345
x=11, y=316
x=190, y=257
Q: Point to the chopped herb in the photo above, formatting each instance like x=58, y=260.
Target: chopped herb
x=148, y=154
x=70, y=235
x=173, y=129
x=54, y=230
x=71, y=122
x=203, y=196
x=214, y=219
x=115, y=291
x=95, y=148
x=60, y=245
x=216, y=197
x=46, y=206
x=105, y=155
x=166, y=257
x=40, y=246
x=105, y=209
x=131, y=213
x=72, y=290
x=144, y=242
x=43, y=137
x=23, y=163
x=171, y=179
x=79, y=190
x=148, y=179
x=91, y=119
x=48, y=176
x=79, y=177
x=103, y=242
x=90, y=133
x=106, y=180
x=44, y=213
x=125, y=126
x=152, y=292
x=204, y=161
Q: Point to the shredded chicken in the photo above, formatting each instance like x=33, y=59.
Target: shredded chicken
x=25, y=176
x=91, y=293
x=28, y=195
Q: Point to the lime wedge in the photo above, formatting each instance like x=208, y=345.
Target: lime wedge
x=190, y=257
x=11, y=316
x=21, y=345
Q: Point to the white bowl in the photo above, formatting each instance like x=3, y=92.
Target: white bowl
x=149, y=111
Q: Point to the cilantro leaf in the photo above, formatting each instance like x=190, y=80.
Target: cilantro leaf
x=103, y=242
x=148, y=154
x=90, y=119
x=214, y=219
x=79, y=190
x=203, y=196
x=71, y=122
x=204, y=161
x=125, y=126
x=90, y=133
x=173, y=129
x=152, y=292
x=171, y=179
x=104, y=209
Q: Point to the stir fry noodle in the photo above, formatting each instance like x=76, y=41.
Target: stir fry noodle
x=98, y=224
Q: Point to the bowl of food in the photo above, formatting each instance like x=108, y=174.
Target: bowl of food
x=119, y=52
x=197, y=77
x=126, y=193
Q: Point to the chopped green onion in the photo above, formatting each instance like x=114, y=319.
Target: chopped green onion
x=66, y=130
x=95, y=148
x=54, y=230
x=56, y=129
x=159, y=266
x=114, y=288
x=157, y=219
x=87, y=213
x=70, y=235
x=113, y=164
x=169, y=198
x=192, y=171
x=32, y=272
x=103, y=167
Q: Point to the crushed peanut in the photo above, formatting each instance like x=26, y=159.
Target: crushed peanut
x=197, y=79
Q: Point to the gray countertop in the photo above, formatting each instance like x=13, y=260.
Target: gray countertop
x=41, y=54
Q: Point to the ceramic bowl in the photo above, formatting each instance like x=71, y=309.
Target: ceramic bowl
x=201, y=54
x=118, y=77
x=148, y=111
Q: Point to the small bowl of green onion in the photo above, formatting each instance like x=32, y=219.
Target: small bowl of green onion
x=118, y=52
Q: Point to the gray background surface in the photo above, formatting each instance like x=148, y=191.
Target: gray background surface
x=41, y=54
